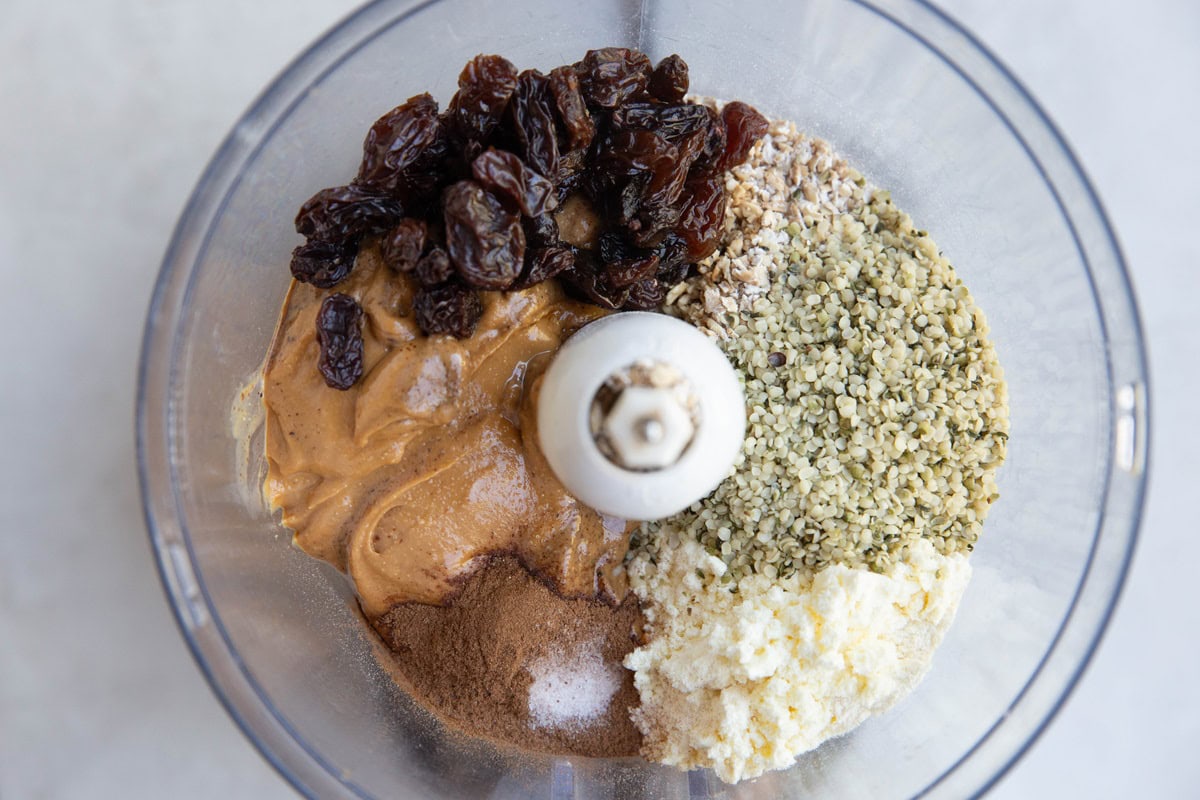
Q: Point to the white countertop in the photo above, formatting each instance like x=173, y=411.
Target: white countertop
x=108, y=113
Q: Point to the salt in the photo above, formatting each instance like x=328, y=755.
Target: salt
x=572, y=689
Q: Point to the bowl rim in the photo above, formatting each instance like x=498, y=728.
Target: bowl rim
x=231, y=680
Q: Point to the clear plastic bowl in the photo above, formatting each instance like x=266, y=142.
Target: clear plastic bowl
x=920, y=108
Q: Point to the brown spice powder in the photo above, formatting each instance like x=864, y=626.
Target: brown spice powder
x=469, y=662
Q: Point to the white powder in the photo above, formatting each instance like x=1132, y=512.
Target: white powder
x=743, y=682
x=572, y=689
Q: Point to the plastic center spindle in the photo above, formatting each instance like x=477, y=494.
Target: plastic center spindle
x=640, y=415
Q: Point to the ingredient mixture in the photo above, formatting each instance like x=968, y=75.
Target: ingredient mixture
x=806, y=593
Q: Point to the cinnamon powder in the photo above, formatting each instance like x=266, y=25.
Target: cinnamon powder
x=474, y=661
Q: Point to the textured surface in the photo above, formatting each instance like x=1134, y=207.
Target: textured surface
x=111, y=110
x=743, y=679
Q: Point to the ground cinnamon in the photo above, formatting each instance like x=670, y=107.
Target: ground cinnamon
x=474, y=661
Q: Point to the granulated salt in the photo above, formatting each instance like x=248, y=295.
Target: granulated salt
x=573, y=688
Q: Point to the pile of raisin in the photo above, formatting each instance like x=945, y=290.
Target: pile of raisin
x=598, y=175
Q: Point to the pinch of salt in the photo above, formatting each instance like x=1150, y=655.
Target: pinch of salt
x=572, y=689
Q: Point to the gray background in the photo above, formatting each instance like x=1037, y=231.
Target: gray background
x=109, y=111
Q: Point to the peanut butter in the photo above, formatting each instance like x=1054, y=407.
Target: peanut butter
x=430, y=463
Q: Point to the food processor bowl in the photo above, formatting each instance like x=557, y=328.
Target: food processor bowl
x=910, y=99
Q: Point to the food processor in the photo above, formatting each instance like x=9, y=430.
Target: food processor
x=907, y=97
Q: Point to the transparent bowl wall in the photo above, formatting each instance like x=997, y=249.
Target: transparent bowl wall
x=922, y=110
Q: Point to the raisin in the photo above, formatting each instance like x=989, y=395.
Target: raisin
x=572, y=110
x=687, y=128
x=339, y=333
x=691, y=147
x=404, y=150
x=323, y=264
x=613, y=75
x=703, y=213
x=630, y=152
x=598, y=174
x=505, y=175
x=585, y=281
x=346, y=213
x=744, y=126
x=401, y=247
x=624, y=205
x=434, y=268
x=572, y=169
x=660, y=209
x=625, y=167
x=626, y=272
x=672, y=122
x=669, y=81
x=673, y=265
x=484, y=87
x=485, y=240
x=540, y=231
x=531, y=122
x=645, y=295
x=451, y=309
x=612, y=247
x=544, y=263
x=625, y=263
x=648, y=206
x=712, y=149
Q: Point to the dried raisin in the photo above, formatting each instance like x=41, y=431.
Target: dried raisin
x=673, y=264
x=672, y=122
x=744, y=126
x=630, y=152
x=505, y=175
x=531, y=122
x=484, y=87
x=572, y=110
x=434, y=268
x=613, y=75
x=598, y=174
x=611, y=247
x=346, y=213
x=450, y=309
x=585, y=281
x=485, y=240
x=540, y=231
x=403, y=151
x=323, y=264
x=703, y=213
x=401, y=247
x=625, y=273
x=669, y=81
x=544, y=263
x=572, y=169
x=647, y=206
x=339, y=334
x=645, y=295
